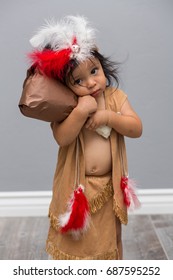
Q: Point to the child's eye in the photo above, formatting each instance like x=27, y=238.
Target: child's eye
x=78, y=82
x=94, y=71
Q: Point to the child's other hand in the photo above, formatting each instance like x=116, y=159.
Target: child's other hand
x=99, y=118
x=87, y=105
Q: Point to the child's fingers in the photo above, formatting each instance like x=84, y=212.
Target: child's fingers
x=90, y=124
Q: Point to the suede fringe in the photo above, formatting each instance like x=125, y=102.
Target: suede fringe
x=53, y=221
x=120, y=213
x=59, y=255
x=98, y=201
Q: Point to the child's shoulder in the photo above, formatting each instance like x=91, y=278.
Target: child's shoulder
x=115, y=95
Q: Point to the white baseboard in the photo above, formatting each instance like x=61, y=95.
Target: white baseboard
x=22, y=204
x=155, y=201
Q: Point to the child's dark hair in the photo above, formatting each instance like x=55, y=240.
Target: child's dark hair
x=110, y=68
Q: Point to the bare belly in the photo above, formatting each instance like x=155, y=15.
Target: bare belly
x=97, y=154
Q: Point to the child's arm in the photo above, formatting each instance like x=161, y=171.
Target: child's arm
x=126, y=123
x=68, y=130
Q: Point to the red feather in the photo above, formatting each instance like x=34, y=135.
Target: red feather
x=128, y=188
x=76, y=218
x=50, y=62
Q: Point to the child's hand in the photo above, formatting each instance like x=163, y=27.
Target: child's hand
x=99, y=118
x=87, y=105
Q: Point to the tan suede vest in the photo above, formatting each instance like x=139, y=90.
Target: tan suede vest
x=64, y=177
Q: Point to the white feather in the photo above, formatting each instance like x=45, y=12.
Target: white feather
x=63, y=219
x=44, y=35
x=60, y=35
x=85, y=35
x=132, y=195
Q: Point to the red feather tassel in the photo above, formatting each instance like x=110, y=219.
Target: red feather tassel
x=128, y=188
x=50, y=62
x=76, y=219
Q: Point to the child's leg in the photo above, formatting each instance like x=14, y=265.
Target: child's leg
x=119, y=240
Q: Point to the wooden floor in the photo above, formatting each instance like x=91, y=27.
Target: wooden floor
x=147, y=237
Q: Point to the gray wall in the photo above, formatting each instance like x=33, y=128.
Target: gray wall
x=135, y=32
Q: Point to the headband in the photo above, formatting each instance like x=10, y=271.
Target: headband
x=56, y=44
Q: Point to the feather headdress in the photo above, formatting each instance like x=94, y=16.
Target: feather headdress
x=56, y=43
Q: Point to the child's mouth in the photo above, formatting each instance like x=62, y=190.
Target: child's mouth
x=95, y=93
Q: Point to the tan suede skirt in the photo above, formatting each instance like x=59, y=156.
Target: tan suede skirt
x=100, y=240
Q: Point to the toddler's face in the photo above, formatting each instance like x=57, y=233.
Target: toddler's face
x=88, y=78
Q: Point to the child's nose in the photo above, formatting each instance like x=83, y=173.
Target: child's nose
x=91, y=83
